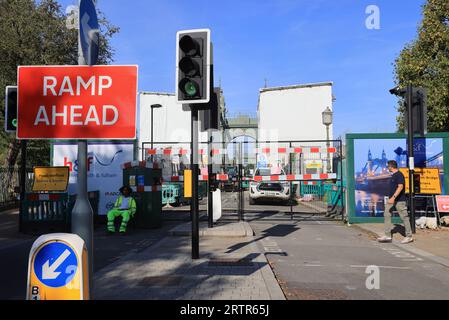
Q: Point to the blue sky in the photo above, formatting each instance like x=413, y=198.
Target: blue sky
x=286, y=42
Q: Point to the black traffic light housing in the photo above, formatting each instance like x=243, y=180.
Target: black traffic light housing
x=210, y=117
x=419, y=107
x=11, y=109
x=419, y=110
x=193, y=59
x=416, y=183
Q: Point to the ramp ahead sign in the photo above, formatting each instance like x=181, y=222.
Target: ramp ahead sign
x=77, y=102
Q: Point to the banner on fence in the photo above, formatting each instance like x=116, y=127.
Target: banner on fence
x=104, y=168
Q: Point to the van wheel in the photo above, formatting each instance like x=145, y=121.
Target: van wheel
x=252, y=202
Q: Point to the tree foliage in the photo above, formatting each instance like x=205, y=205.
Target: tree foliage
x=425, y=62
x=35, y=33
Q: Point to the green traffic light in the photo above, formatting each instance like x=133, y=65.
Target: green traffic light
x=191, y=88
x=14, y=123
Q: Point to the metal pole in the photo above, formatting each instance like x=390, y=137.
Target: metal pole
x=241, y=191
x=328, y=146
x=342, y=189
x=210, y=203
x=195, y=173
x=23, y=174
x=291, y=183
x=239, y=180
x=152, y=132
x=411, y=160
x=82, y=215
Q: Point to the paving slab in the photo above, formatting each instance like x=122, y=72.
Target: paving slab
x=232, y=229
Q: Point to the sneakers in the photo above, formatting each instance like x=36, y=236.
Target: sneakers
x=384, y=239
x=407, y=240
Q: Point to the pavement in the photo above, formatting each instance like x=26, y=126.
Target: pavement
x=229, y=268
x=433, y=244
x=270, y=256
x=239, y=229
x=317, y=259
x=15, y=248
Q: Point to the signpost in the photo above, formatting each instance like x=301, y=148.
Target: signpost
x=79, y=102
x=50, y=179
x=89, y=32
x=429, y=180
x=58, y=268
x=442, y=203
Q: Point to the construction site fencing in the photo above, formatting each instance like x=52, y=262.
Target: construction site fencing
x=292, y=177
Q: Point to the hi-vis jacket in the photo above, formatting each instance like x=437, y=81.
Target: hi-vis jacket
x=131, y=204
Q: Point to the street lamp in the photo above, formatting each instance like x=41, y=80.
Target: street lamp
x=327, y=121
x=153, y=106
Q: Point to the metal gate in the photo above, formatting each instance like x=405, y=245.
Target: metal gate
x=293, y=178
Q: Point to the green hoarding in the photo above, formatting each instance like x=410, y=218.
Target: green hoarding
x=368, y=178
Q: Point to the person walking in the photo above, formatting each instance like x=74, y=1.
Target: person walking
x=396, y=199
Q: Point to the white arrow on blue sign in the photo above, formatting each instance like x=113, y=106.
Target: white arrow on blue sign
x=89, y=31
x=55, y=264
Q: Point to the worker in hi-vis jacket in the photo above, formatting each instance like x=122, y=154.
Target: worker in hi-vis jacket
x=125, y=206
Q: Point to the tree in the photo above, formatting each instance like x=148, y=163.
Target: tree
x=34, y=33
x=425, y=63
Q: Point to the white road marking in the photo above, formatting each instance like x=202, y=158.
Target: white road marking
x=384, y=267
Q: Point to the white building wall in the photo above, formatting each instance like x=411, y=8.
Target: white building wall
x=171, y=123
x=294, y=113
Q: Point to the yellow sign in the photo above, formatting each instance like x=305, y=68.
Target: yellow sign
x=314, y=165
x=187, y=183
x=429, y=180
x=50, y=179
x=58, y=268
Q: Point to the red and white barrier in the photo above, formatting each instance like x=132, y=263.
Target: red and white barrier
x=219, y=177
x=43, y=197
x=155, y=188
x=297, y=177
x=215, y=152
x=141, y=164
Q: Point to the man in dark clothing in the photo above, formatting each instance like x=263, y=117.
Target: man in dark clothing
x=396, y=199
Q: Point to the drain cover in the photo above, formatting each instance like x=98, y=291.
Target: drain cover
x=230, y=262
x=161, y=281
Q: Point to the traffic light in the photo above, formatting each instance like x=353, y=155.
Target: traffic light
x=210, y=117
x=419, y=110
x=417, y=183
x=11, y=109
x=193, y=56
x=419, y=107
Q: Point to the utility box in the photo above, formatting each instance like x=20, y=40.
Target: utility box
x=145, y=179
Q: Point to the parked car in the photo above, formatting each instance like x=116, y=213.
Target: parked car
x=268, y=190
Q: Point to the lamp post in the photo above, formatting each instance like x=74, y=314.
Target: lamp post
x=153, y=106
x=327, y=121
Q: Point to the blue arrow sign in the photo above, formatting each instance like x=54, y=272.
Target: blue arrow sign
x=89, y=31
x=55, y=264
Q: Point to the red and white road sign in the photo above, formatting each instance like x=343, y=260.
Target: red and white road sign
x=77, y=102
x=442, y=203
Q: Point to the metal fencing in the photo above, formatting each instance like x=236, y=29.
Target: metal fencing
x=291, y=177
x=9, y=180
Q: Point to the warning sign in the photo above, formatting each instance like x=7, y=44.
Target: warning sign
x=429, y=180
x=50, y=179
x=442, y=204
